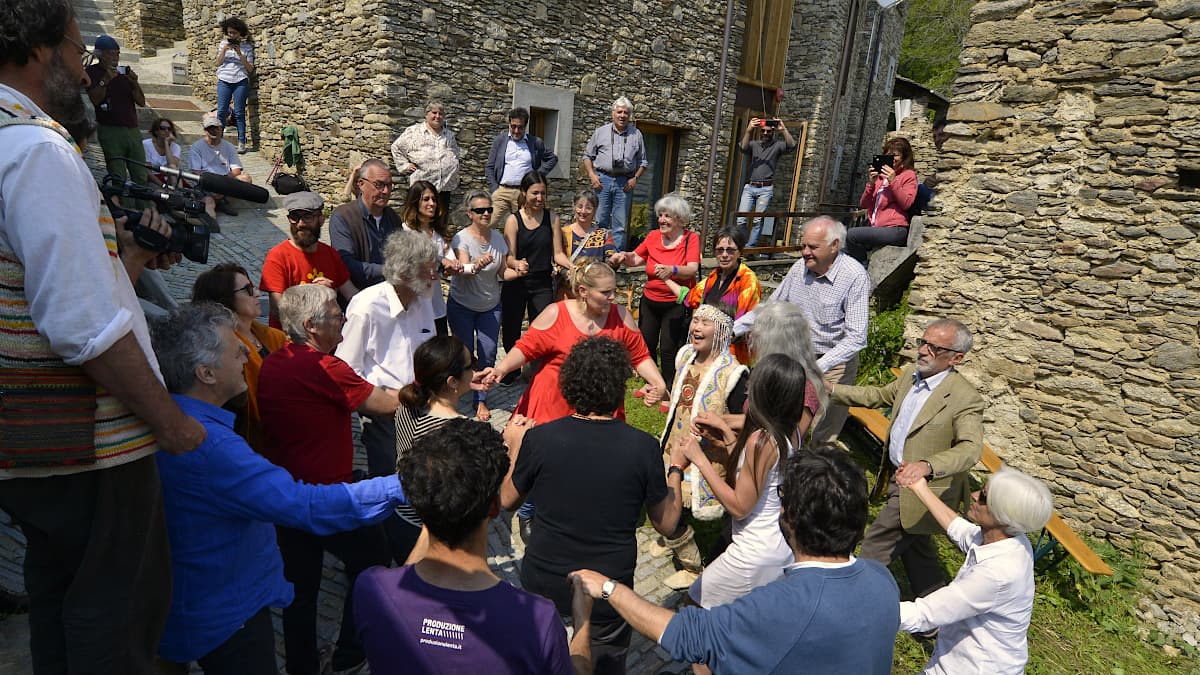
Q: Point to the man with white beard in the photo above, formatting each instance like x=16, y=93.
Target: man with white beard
x=385, y=324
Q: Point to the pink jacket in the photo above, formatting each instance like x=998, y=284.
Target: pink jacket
x=894, y=199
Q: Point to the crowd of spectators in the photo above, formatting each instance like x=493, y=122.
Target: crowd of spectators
x=212, y=466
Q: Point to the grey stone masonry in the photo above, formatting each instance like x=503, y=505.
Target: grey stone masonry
x=1069, y=244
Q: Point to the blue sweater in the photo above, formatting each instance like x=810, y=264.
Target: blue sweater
x=812, y=620
x=222, y=501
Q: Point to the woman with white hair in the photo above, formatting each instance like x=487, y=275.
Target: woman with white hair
x=669, y=252
x=983, y=616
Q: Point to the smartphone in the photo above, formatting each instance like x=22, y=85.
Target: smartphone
x=772, y=124
x=121, y=69
x=880, y=161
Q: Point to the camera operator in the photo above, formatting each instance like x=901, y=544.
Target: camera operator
x=764, y=152
x=78, y=475
x=614, y=159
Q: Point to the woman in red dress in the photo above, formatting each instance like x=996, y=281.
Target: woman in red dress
x=556, y=330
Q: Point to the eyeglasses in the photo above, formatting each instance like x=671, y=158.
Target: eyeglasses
x=86, y=55
x=482, y=210
x=306, y=216
x=381, y=185
x=936, y=350
x=248, y=289
x=516, y=127
x=336, y=318
x=732, y=250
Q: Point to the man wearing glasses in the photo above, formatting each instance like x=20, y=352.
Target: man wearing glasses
x=358, y=229
x=303, y=259
x=514, y=154
x=936, y=434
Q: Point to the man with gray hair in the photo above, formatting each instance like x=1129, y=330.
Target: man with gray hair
x=936, y=433
x=427, y=151
x=614, y=159
x=222, y=503
x=835, y=293
x=385, y=324
x=305, y=397
x=358, y=229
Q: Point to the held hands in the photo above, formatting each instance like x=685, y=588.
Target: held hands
x=618, y=259
x=588, y=583
x=514, y=431
x=452, y=267
x=654, y=396
x=662, y=271
x=323, y=281
x=522, y=267
x=910, y=472
x=482, y=380
x=483, y=261
x=581, y=603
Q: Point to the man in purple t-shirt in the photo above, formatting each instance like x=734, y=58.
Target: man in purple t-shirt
x=448, y=612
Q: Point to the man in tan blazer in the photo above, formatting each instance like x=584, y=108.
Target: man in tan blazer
x=936, y=433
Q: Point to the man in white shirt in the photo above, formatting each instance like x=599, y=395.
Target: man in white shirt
x=514, y=153
x=216, y=155
x=77, y=469
x=936, y=432
x=385, y=323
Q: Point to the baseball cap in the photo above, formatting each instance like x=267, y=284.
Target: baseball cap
x=106, y=43
x=303, y=201
x=211, y=120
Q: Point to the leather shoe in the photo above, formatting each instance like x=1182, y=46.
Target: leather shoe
x=225, y=207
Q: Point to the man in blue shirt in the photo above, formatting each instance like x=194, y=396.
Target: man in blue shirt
x=222, y=502
x=830, y=613
x=614, y=160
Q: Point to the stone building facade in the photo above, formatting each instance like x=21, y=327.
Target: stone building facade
x=148, y=25
x=353, y=75
x=1069, y=243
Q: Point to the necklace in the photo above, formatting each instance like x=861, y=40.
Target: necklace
x=590, y=417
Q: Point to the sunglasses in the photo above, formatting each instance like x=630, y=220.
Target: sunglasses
x=165, y=127
x=482, y=210
x=248, y=289
x=725, y=249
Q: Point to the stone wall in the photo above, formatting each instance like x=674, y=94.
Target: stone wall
x=918, y=131
x=353, y=75
x=1069, y=243
x=145, y=26
x=833, y=105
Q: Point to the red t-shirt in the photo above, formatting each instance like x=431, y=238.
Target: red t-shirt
x=305, y=398
x=543, y=400
x=652, y=251
x=288, y=266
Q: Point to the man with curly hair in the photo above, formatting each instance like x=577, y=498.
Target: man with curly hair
x=590, y=476
x=448, y=612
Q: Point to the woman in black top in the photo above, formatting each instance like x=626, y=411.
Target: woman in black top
x=534, y=237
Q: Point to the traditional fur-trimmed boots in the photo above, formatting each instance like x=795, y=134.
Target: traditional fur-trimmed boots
x=687, y=556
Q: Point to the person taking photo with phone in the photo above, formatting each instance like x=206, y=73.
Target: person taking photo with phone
x=889, y=194
x=764, y=152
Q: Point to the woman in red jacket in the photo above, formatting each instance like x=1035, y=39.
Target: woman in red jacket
x=888, y=196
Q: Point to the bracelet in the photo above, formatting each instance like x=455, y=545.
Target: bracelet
x=674, y=270
x=683, y=291
x=675, y=468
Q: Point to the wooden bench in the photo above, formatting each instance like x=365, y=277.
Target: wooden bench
x=1055, y=541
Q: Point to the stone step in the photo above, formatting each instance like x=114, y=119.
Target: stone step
x=159, y=89
x=176, y=108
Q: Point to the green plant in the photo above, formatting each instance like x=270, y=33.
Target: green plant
x=885, y=339
x=1109, y=601
x=639, y=218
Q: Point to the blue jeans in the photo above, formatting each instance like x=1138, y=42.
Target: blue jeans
x=754, y=199
x=479, y=331
x=237, y=91
x=613, y=211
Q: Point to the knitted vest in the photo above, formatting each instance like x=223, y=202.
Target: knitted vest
x=52, y=414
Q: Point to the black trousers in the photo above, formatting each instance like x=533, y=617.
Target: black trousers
x=249, y=651
x=860, y=241
x=303, y=557
x=97, y=567
x=520, y=298
x=610, y=633
x=664, y=330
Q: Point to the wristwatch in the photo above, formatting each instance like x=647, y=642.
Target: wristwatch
x=607, y=589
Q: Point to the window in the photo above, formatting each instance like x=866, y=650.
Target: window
x=551, y=111
x=764, y=49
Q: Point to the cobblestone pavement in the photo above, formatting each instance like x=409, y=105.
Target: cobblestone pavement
x=245, y=239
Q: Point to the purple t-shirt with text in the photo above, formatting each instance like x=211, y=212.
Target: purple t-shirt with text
x=409, y=626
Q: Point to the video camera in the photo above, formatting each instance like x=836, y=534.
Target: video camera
x=181, y=208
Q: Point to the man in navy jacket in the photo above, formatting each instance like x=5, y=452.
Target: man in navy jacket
x=514, y=154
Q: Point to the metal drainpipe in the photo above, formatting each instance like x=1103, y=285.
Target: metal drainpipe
x=716, y=135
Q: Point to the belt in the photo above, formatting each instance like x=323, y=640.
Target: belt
x=511, y=187
x=610, y=173
x=761, y=183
